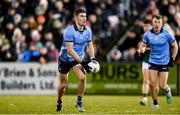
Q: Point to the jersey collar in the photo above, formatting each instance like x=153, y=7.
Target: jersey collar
x=155, y=32
x=75, y=27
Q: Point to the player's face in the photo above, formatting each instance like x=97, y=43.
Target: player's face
x=157, y=24
x=146, y=27
x=81, y=19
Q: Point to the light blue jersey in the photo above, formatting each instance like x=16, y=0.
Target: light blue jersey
x=79, y=39
x=160, y=45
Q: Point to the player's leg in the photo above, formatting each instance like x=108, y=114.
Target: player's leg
x=145, y=85
x=157, y=89
x=64, y=68
x=62, y=81
x=153, y=76
x=163, y=78
x=80, y=73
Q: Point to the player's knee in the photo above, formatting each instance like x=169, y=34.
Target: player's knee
x=146, y=81
x=62, y=86
x=153, y=84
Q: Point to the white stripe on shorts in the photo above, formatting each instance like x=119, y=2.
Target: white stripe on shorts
x=145, y=65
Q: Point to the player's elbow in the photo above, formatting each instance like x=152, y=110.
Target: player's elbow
x=175, y=45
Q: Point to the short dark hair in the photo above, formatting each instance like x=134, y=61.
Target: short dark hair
x=146, y=21
x=157, y=17
x=79, y=10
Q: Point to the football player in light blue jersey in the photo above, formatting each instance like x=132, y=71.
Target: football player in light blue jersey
x=160, y=40
x=77, y=38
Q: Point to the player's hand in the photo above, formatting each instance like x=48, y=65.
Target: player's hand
x=85, y=65
x=139, y=56
x=93, y=59
x=171, y=62
x=139, y=53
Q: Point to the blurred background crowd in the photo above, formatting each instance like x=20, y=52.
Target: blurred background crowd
x=32, y=30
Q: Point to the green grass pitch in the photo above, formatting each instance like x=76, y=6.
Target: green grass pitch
x=94, y=104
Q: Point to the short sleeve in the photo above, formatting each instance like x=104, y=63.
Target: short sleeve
x=68, y=35
x=170, y=37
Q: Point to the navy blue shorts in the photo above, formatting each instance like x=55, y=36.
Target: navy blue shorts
x=64, y=67
x=160, y=68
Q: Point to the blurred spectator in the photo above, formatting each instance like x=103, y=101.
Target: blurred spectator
x=128, y=48
x=6, y=51
x=176, y=26
x=166, y=24
x=31, y=55
x=36, y=38
x=19, y=42
x=53, y=53
x=17, y=18
x=44, y=57
x=164, y=7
